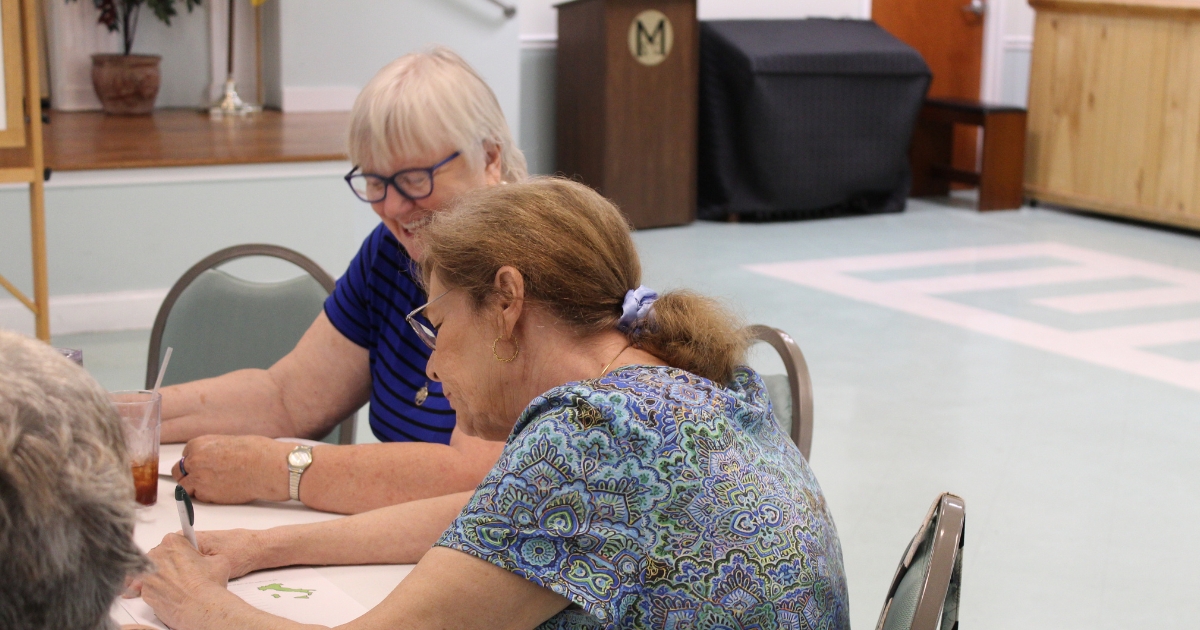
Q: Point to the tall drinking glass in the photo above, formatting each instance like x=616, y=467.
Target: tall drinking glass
x=141, y=419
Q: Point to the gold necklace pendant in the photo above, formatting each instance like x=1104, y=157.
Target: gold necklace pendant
x=422, y=394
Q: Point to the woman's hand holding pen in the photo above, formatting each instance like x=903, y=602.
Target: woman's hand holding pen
x=181, y=580
x=229, y=553
x=238, y=551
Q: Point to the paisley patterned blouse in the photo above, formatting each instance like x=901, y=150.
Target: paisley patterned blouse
x=654, y=498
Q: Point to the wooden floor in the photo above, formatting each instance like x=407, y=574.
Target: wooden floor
x=91, y=140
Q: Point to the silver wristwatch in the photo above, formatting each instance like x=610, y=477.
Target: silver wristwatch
x=298, y=461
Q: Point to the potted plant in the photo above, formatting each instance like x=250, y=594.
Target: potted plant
x=128, y=83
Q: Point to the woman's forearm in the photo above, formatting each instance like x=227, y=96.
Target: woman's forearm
x=399, y=534
x=324, y=379
x=226, y=611
x=245, y=402
x=362, y=477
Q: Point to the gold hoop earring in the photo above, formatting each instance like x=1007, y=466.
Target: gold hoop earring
x=516, y=351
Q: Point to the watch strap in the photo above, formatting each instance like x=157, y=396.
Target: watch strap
x=294, y=483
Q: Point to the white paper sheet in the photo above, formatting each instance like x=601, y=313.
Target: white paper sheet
x=168, y=454
x=298, y=594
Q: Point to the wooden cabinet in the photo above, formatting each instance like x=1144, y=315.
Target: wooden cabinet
x=1114, y=108
x=628, y=73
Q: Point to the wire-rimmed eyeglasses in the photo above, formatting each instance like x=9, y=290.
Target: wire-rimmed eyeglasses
x=411, y=183
x=424, y=333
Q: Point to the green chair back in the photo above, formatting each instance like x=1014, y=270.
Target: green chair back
x=218, y=323
x=925, y=590
x=791, y=392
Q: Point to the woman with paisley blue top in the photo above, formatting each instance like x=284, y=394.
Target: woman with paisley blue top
x=644, y=482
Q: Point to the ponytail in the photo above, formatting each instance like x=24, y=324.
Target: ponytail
x=694, y=333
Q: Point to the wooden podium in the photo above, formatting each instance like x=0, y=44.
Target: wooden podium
x=628, y=82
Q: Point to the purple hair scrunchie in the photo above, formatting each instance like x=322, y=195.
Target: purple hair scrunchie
x=636, y=308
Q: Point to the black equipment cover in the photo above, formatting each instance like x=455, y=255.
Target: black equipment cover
x=802, y=118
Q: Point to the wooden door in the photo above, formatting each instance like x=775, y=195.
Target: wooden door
x=949, y=35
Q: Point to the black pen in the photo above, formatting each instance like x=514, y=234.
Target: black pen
x=187, y=516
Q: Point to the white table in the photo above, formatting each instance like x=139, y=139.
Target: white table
x=367, y=584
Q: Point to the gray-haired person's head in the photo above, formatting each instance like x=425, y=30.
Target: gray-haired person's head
x=66, y=494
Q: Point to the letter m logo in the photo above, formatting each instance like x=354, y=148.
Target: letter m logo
x=652, y=42
x=650, y=37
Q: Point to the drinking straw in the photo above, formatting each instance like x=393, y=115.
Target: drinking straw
x=162, y=370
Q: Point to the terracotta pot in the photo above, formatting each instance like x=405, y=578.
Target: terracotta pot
x=126, y=84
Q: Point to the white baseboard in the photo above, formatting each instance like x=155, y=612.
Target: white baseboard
x=88, y=312
x=330, y=98
x=539, y=41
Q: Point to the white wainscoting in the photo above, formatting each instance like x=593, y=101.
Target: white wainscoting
x=118, y=239
x=119, y=310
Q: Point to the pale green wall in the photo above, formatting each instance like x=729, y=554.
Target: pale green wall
x=345, y=43
x=537, y=109
x=118, y=238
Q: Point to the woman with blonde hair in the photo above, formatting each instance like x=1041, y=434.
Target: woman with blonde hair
x=644, y=481
x=424, y=130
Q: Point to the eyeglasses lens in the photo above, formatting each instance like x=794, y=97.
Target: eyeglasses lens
x=416, y=184
x=424, y=333
x=369, y=188
x=428, y=336
x=373, y=188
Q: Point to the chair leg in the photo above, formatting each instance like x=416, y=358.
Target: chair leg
x=932, y=143
x=1002, y=177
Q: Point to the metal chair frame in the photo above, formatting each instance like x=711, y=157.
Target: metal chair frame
x=799, y=382
x=949, y=529
x=214, y=260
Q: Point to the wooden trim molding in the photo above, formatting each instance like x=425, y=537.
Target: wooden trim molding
x=1088, y=203
x=1160, y=8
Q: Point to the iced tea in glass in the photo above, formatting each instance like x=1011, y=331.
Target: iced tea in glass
x=141, y=419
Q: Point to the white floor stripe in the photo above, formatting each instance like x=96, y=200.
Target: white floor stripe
x=1158, y=334
x=1117, y=348
x=1007, y=279
x=1121, y=300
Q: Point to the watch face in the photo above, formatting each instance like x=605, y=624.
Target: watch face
x=299, y=458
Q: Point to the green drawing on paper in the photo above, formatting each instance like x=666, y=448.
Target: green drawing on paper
x=282, y=589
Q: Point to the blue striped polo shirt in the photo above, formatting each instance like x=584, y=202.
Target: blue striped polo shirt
x=368, y=306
